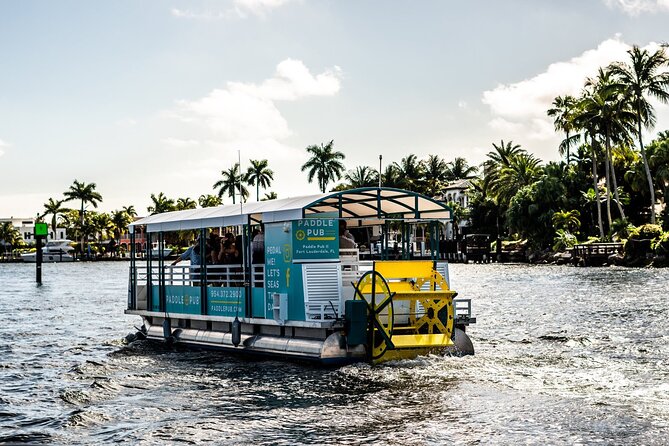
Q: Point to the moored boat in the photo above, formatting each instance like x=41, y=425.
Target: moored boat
x=306, y=294
x=53, y=251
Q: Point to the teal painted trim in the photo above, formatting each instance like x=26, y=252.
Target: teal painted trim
x=258, y=302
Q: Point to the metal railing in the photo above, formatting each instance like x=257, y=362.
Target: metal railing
x=191, y=275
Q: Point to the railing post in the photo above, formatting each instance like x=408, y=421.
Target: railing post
x=149, y=273
x=203, y=271
x=133, y=272
x=161, y=271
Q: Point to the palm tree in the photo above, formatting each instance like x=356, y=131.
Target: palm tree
x=459, y=169
x=231, y=184
x=9, y=235
x=325, y=164
x=120, y=219
x=53, y=208
x=411, y=173
x=258, y=174
x=567, y=220
x=270, y=196
x=503, y=153
x=185, y=203
x=606, y=108
x=643, y=78
x=562, y=114
x=130, y=210
x=391, y=176
x=523, y=170
x=435, y=174
x=86, y=194
x=209, y=201
x=361, y=176
x=103, y=225
x=161, y=204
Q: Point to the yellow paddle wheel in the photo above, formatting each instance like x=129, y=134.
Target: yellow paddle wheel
x=409, y=309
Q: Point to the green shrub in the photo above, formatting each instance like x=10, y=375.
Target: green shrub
x=563, y=240
x=647, y=231
x=662, y=245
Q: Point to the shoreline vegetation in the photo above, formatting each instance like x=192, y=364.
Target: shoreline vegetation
x=609, y=187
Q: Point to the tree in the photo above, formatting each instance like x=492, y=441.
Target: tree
x=9, y=235
x=209, y=201
x=435, y=174
x=161, y=204
x=522, y=170
x=103, y=225
x=183, y=204
x=411, y=172
x=53, y=208
x=567, y=220
x=86, y=194
x=390, y=176
x=362, y=176
x=532, y=208
x=259, y=175
x=270, y=196
x=120, y=219
x=643, y=78
x=231, y=184
x=459, y=169
x=130, y=210
x=325, y=164
x=606, y=109
x=562, y=114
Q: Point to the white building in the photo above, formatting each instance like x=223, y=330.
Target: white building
x=456, y=192
x=26, y=227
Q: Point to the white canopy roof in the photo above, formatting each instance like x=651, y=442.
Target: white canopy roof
x=365, y=203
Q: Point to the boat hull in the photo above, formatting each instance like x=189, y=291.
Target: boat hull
x=326, y=347
x=47, y=258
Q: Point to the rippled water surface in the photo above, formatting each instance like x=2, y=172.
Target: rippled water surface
x=564, y=356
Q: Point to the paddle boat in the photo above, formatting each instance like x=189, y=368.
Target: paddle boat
x=301, y=292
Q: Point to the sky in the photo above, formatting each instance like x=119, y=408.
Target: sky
x=161, y=96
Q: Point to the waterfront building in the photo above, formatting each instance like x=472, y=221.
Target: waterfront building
x=456, y=192
x=26, y=227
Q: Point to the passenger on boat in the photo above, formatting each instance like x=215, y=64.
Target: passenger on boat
x=192, y=254
x=228, y=256
x=258, y=247
x=346, y=240
x=213, y=247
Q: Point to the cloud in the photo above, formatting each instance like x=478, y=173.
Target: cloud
x=636, y=7
x=246, y=111
x=244, y=117
x=258, y=8
x=240, y=9
x=3, y=145
x=520, y=108
x=180, y=143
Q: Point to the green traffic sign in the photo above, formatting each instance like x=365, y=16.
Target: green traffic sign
x=41, y=229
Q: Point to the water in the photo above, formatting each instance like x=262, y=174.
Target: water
x=564, y=356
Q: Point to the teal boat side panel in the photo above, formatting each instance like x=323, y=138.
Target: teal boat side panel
x=258, y=298
x=183, y=299
x=228, y=301
x=296, y=295
x=278, y=262
x=316, y=239
x=155, y=298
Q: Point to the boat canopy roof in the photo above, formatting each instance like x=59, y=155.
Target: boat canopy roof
x=370, y=204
